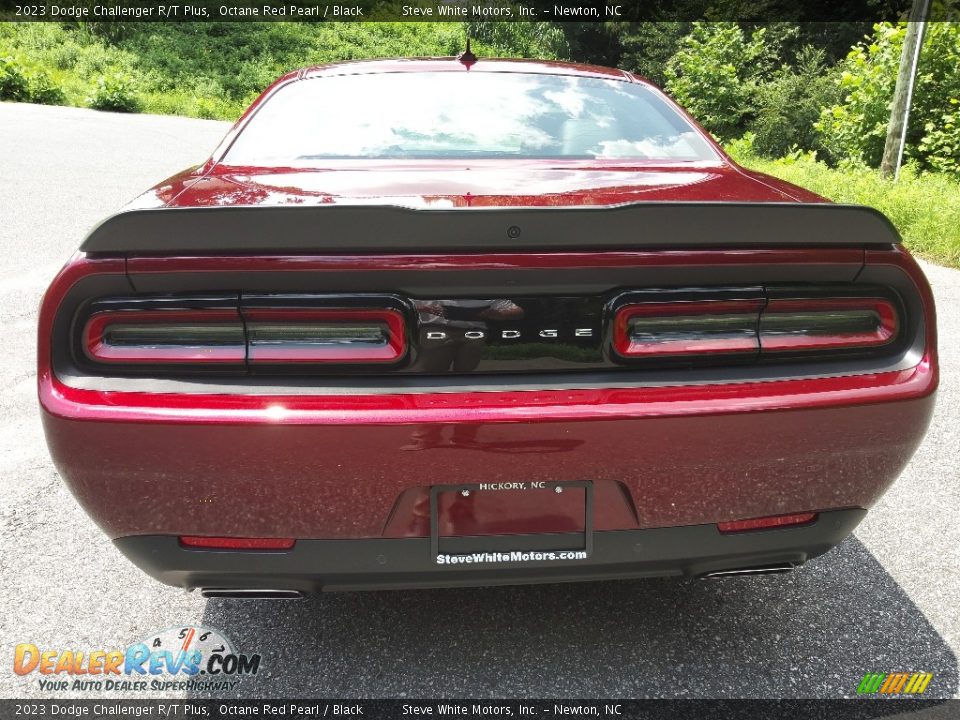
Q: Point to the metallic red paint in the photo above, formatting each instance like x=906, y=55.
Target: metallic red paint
x=452, y=184
x=338, y=464
x=357, y=466
x=339, y=480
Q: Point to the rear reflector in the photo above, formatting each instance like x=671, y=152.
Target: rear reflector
x=325, y=336
x=827, y=324
x=233, y=543
x=687, y=328
x=766, y=523
x=165, y=336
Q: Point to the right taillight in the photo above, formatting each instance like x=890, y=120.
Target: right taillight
x=731, y=324
x=809, y=324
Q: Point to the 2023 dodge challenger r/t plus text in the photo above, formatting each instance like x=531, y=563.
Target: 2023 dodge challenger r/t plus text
x=422, y=323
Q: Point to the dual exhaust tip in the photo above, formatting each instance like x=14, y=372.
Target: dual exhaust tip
x=772, y=569
x=251, y=594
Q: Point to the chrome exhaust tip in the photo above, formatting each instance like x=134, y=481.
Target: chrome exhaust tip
x=251, y=594
x=775, y=569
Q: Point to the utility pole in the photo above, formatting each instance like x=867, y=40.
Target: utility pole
x=906, y=77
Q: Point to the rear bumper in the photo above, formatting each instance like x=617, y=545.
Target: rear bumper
x=378, y=563
x=368, y=480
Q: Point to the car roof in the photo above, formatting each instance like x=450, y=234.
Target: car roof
x=452, y=64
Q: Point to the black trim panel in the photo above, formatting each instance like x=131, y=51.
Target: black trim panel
x=378, y=563
x=368, y=228
x=433, y=284
x=475, y=336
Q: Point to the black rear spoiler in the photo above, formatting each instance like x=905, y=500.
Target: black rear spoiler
x=378, y=228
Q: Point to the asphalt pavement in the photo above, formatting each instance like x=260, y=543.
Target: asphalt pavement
x=886, y=600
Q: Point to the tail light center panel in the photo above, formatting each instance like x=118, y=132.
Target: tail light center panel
x=323, y=334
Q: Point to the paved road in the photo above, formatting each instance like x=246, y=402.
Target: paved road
x=886, y=600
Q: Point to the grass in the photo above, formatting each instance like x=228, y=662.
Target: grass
x=924, y=207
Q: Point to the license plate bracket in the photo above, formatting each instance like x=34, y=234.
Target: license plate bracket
x=566, y=541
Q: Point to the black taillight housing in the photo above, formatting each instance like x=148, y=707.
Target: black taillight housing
x=338, y=336
x=190, y=331
x=311, y=334
x=230, y=332
x=805, y=324
x=687, y=324
x=769, y=323
x=165, y=336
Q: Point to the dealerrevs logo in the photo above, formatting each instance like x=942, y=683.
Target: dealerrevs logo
x=181, y=658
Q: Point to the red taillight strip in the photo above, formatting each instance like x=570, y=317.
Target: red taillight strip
x=804, y=313
x=712, y=326
x=766, y=523
x=294, y=350
x=98, y=327
x=236, y=543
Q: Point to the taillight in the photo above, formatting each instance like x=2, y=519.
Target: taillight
x=695, y=327
x=236, y=543
x=727, y=323
x=827, y=324
x=165, y=336
x=266, y=330
x=303, y=335
x=767, y=523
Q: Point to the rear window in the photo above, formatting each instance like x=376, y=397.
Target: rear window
x=465, y=115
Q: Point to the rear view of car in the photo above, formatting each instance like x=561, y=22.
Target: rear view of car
x=417, y=323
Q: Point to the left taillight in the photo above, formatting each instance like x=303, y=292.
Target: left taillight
x=187, y=336
x=265, y=332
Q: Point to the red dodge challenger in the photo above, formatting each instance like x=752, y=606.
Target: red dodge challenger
x=438, y=323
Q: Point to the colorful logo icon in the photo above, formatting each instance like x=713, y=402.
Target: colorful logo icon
x=898, y=683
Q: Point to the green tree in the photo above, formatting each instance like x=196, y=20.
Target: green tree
x=646, y=48
x=788, y=106
x=716, y=74
x=854, y=128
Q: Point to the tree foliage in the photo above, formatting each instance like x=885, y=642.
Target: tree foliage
x=788, y=106
x=854, y=129
x=716, y=74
